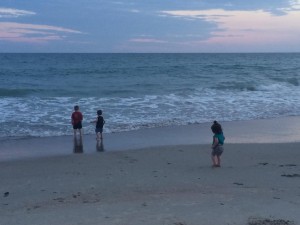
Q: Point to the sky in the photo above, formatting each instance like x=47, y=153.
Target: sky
x=149, y=26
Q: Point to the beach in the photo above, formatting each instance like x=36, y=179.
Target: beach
x=140, y=177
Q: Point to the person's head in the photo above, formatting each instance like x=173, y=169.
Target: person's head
x=99, y=112
x=76, y=107
x=216, y=128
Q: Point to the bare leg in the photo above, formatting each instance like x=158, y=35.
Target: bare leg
x=218, y=160
x=213, y=160
x=99, y=136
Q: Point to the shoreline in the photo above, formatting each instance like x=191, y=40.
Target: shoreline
x=277, y=130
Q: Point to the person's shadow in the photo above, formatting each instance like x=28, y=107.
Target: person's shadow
x=99, y=146
x=78, y=146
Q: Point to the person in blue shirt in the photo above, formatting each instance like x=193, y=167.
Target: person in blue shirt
x=217, y=145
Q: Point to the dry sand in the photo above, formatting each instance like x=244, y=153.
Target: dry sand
x=175, y=185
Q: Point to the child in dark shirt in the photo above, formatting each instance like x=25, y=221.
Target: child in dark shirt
x=217, y=145
x=99, y=125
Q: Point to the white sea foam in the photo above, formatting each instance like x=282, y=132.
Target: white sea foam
x=274, y=87
x=50, y=117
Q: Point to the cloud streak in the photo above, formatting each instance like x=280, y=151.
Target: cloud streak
x=13, y=13
x=31, y=33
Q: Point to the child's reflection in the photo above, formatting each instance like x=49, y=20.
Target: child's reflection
x=99, y=146
x=78, y=146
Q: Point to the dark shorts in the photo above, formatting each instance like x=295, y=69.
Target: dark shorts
x=217, y=151
x=99, y=130
x=77, y=126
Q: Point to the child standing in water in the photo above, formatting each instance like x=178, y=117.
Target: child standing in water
x=217, y=145
x=99, y=125
x=77, y=120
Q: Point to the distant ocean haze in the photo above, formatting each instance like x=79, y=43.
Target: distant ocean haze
x=38, y=91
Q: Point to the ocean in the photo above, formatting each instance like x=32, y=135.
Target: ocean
x=135, y=91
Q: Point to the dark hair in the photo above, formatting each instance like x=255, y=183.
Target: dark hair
x=76, y=107
x=99, y=112
x=216, y=128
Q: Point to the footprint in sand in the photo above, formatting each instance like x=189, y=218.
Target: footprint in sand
x=179, y=223
x=287, y=165
x=291, y=175
x=270, y=222
x=263, y=164
x=59, y=199
x=236, y=183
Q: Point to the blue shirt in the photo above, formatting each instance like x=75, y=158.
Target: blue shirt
x=220, y=137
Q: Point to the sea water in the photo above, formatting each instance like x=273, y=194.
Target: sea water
x=38, y=91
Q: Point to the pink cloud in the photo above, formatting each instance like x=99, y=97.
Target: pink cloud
x=245, y=28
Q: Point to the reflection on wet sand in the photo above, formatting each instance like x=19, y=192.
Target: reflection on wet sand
x=78, y=146
x=99, y=146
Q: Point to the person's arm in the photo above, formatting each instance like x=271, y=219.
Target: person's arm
x=94, y=121
x=215, y=143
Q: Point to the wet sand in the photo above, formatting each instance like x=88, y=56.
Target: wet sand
x=280, y=130
x=258, y=183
